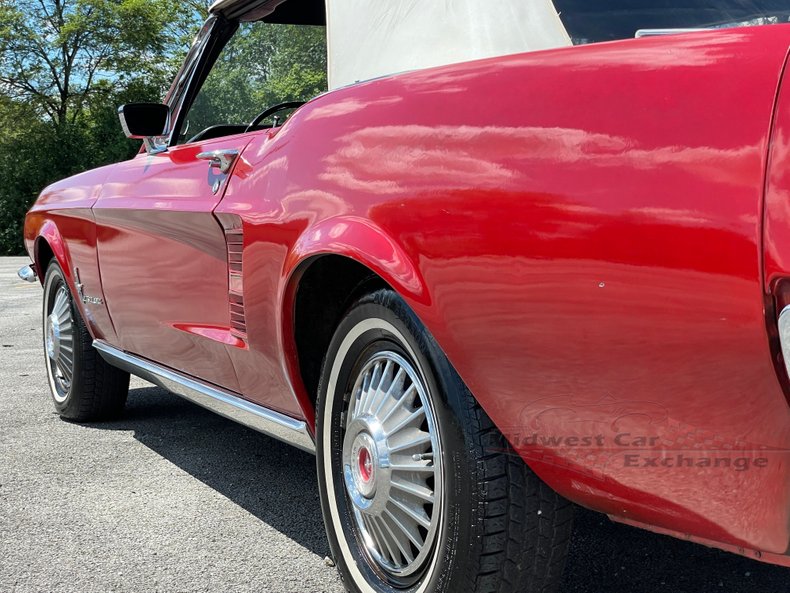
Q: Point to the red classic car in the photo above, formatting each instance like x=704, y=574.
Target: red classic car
x=479, y=290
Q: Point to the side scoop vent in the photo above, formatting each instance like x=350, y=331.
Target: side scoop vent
x=234, y=240
x=238, y=323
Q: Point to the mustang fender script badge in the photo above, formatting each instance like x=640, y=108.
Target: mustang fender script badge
x=86, y=300
x=91, y=300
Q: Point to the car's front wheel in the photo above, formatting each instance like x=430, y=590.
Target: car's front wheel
x=84, y=387
x=419, y=490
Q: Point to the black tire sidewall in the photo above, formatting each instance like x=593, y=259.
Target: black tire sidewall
x=454, y=539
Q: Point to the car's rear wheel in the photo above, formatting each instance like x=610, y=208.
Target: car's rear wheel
x=419, y=490
x=84, y=387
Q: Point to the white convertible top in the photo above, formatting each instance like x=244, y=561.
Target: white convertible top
x=371, y=38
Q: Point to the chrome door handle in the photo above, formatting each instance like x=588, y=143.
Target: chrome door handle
x=220, y=159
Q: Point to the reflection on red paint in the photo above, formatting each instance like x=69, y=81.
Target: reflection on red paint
x=217, y=334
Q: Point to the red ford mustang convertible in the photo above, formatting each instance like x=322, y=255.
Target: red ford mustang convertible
x=538, y=255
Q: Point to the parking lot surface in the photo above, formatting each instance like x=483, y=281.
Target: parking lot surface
x=175, y=499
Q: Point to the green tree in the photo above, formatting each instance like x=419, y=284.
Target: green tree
x=65, y=66
x=57, y=53
x=263, y=65
x=25, y=141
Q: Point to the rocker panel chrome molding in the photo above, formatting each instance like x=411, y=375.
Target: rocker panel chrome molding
x=212, y=398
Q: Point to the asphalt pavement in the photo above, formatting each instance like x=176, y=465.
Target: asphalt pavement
x=175, y=499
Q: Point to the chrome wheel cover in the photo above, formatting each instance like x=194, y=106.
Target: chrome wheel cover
x=59, y=344
x=391, y=465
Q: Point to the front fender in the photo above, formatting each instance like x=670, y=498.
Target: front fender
x=69, y=237
x=49, y=238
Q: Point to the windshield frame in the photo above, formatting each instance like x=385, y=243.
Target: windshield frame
x=213, y=36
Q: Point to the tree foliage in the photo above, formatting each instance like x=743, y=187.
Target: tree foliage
x=66, y=65
x=262, y=65
x=58, y=53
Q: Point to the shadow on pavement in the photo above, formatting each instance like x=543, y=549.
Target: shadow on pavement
x=607, y=557
x=277, y=484
x=272, y=480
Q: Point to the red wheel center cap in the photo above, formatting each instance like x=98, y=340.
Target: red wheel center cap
x=365, y=464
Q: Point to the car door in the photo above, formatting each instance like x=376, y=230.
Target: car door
x=163, y=258
x=162, y=252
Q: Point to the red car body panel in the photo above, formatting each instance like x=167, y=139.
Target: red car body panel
x=580, y=231
x=164, y=260
x=62, y=220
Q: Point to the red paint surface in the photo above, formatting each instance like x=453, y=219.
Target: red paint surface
x=580, y=230
x=164, y=260
x=62, y=218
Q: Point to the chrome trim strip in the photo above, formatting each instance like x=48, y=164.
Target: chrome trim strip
x=27, y=273
x=658, y=32
x=212, y=398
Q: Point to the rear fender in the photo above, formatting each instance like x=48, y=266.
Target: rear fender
x=358, y=240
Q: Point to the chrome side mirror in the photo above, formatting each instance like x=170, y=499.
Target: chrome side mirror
x=146, y=122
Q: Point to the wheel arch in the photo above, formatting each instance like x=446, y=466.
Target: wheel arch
x=329, y=267
x=48, y=244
